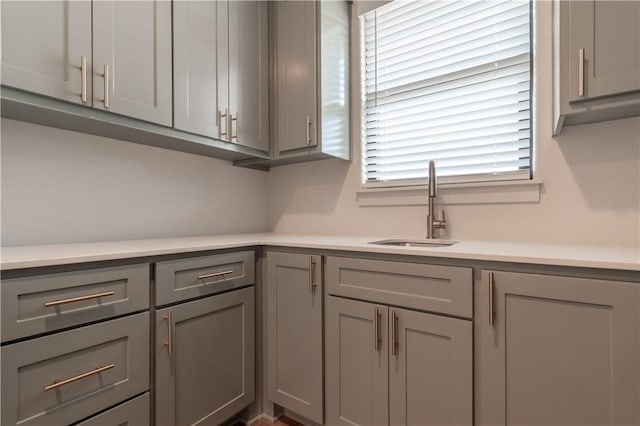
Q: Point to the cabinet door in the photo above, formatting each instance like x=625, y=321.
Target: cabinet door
x=562, y=351
x=357, y=382
x=132, y=39
x=294, y=332
x=43, y=44
x=197, y=43
x=609, y=33
x=205, y=359
x=296, y=78
x=249, y=73
x=430, y=370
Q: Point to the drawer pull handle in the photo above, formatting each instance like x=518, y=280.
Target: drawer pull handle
x=492, y=313
x=394, y=337
x=214, y=274
x=57, y=383
x=78, y=299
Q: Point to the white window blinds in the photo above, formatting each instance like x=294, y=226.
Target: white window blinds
x=448, y=81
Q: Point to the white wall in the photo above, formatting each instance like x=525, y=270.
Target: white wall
x=590, y=195
x=60, y=186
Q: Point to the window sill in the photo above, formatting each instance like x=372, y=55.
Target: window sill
x=500, y=192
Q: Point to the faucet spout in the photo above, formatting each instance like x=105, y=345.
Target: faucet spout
x=432, y=221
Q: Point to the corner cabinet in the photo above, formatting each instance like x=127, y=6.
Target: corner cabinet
x=221, y=70
x=110, y=55
x=596, y=61
x=294, y=333
x=311, y=75
x=556, y=350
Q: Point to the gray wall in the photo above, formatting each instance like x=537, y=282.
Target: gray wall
x=590, y=174
x=60, y=186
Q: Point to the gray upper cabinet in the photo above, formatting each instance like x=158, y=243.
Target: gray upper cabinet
x=132, y=59
x=294, y=333
x=556, y=350
x=198, y=48
x=205, y=359
x=597, y=61
x=248, y=76
x=44, y=46
x=221, y=70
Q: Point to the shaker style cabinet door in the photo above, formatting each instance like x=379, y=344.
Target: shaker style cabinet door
x=556, y=350
x=132, y=59
x=199, y=46
x=294, y=332
x=46, y=48
x=357, y=355
x=295, y=45
x=604, y=48
x=205, y=359
x=249, y=73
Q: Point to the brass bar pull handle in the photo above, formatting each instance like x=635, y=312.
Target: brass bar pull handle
x=78, y=299
x=58, y=383
x=312, y=268
x=83, y=79
x=308, y=130
x=169, y=342
x=376, y=329
x=237, y=128
x=106, y=86
x=492, y=315
x=581, y=72
x=214, y=274
x=394, y=339
x=226, y=123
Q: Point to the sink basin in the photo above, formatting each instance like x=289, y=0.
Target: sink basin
x=414, y=243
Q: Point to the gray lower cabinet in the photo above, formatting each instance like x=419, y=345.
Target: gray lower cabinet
x=43, y=46
x=205, y=359
x=387, y=365
x=556, y=350
x=66, y=377
x=131, y=413
x=294, y=332
x=597, y=61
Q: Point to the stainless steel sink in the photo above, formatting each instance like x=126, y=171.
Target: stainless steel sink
x=414, y=243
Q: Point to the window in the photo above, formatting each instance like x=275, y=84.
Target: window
x=448, y=81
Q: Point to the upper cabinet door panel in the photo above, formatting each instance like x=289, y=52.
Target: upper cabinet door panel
x=249, y=73
x=43, y=44
x=195, y=64
x=296, y=29
x=609, y=33
x=133, y=39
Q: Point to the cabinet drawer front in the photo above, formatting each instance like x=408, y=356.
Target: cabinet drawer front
x=443, y=289
x=131, y=413
x=86, y=370
x=183, y=279
x=71, y=298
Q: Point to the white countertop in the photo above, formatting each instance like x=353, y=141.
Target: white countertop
x=602, y=257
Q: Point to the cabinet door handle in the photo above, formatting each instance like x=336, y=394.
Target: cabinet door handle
x=83, y=79
x=169, y=342
x=226, y=123
x=237, y=127
x=312, y=268
x=581, y=72
x=376, y=329
x=78, y=299
x=394, y=337
x=308, y=130
x=106, y=86
x=492, y=315
x=57, y=383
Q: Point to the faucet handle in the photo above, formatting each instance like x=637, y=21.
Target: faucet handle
x=442, y=224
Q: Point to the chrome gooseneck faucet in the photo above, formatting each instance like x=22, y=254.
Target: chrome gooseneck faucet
x=432, y=222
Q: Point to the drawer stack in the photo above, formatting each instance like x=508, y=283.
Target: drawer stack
x=74, y=344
